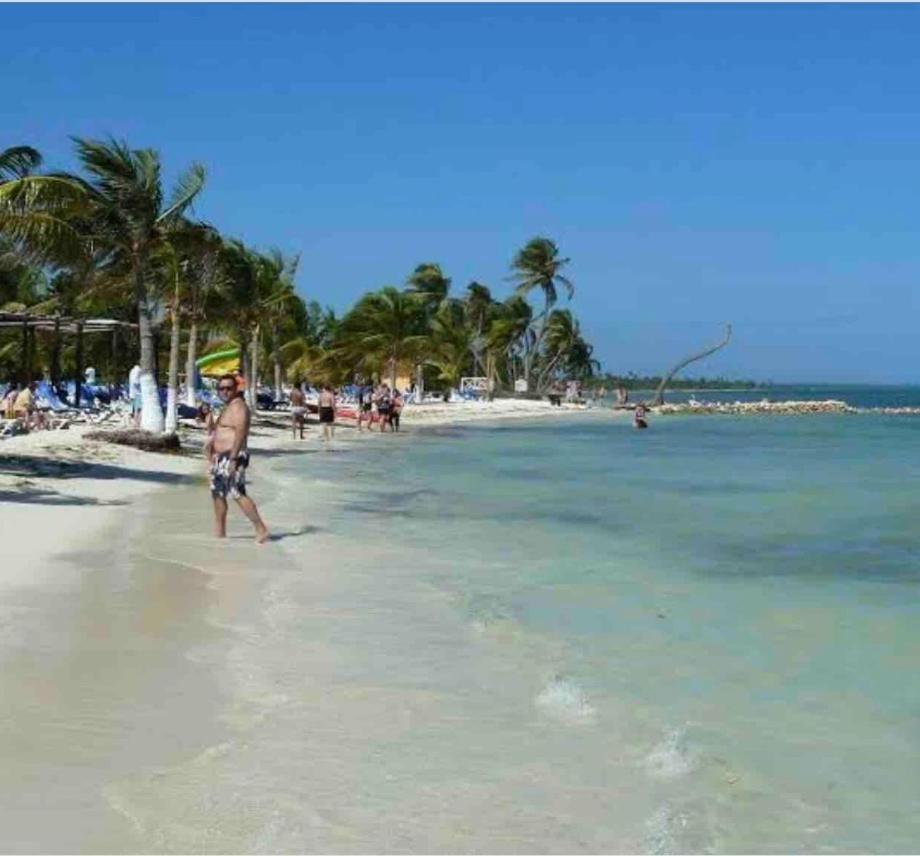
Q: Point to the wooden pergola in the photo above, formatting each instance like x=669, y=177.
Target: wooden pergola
x=29, y=323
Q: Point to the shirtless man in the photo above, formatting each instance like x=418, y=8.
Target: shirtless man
x=298, y=410
x=229, y=457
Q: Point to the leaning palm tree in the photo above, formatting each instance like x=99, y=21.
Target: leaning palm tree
x=537, y=266
x=565, y=350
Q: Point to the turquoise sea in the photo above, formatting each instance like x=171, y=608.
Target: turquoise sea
x=558, y=636
x=700, y=637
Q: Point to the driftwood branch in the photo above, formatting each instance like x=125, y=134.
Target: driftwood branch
x=659, y=393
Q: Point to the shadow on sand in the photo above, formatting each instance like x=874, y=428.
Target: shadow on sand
x=37, y=467
x=39, y=496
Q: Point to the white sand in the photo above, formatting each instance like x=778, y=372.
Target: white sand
x=58, y=490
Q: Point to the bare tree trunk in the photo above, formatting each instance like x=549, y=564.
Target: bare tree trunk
x=191, y=371
x=419, y=383
x=393, y=373
x=172, y=382
x=659, y=393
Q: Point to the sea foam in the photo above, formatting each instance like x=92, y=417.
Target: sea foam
x=565, y=701
x=670, y=758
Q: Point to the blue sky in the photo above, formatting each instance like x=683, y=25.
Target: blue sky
x=699, y=164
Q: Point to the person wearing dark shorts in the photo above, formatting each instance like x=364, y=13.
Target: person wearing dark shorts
x=327, y=412
x=365, y=403
x=228, y=457
x=396, y=406
x=383, y=407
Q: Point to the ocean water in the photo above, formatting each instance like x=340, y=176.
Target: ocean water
x=562, y=636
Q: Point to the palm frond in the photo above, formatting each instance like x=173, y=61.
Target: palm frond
x=18, y=161
x=187, y=188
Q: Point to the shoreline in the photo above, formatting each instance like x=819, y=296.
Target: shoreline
x=60, y=490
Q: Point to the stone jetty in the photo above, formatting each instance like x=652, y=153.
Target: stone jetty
x=778, y=407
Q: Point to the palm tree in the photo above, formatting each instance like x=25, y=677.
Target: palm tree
x=277, y=274
x=433, y=287
x=205, y=285
x=126, y=189
x=241, y=308
x=450, y=346
x=510, y=332
x=182, y=257
x=122, y=196
x=384, y=330
x=428, y=281
x=538, y=266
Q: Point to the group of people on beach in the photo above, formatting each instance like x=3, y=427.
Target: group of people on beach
x=375, y=405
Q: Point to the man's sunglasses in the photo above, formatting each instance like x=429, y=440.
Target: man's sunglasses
x=226, y=389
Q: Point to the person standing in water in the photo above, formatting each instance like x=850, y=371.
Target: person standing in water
x=639, y=420
x=396, y=406
x=383, y=406
x=327, y=412
x=228, y=455
x=298, y=410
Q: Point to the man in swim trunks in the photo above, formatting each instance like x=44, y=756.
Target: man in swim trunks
x=298, y=410
x=229, y=457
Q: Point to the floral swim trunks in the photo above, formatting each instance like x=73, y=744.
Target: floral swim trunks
x=225, y=482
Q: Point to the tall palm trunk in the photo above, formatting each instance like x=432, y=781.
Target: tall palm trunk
x=172, y=383
x=393, y=367
x=276, y=358
x=190, y=368
x=151, y=413
x=254, y=386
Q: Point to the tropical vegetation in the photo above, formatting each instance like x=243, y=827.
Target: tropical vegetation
x=108, y=240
